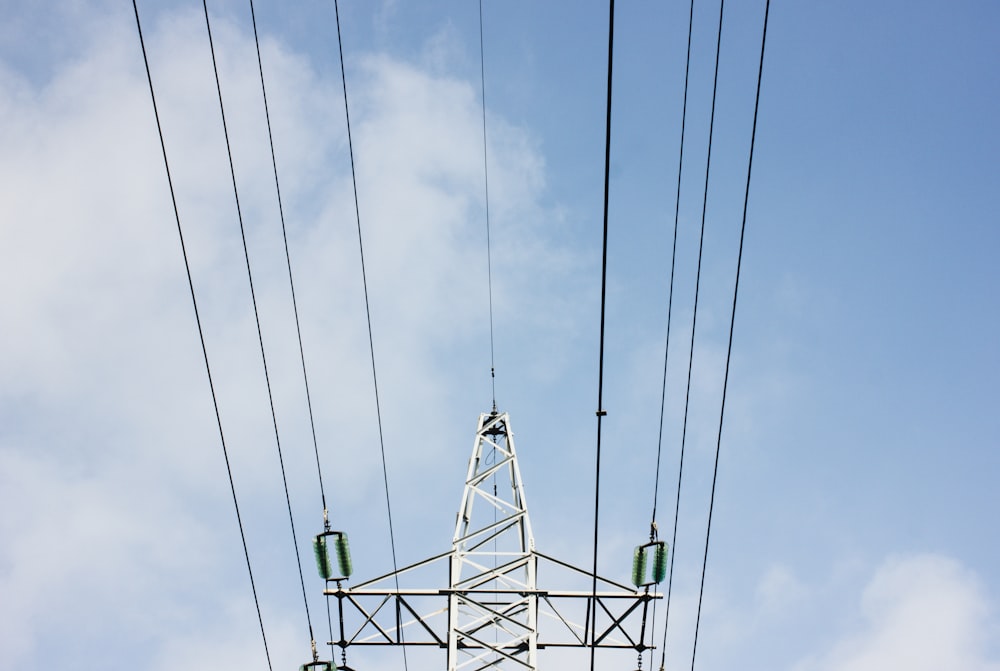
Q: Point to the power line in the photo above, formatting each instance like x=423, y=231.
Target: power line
x=486, y=183
x=291, y=283
x=694, y=324
x=256, y=314
x=201, y=335
x=288, y=260
x=600, y=367
x=732, y=324
x=368, y=312
x=666, y=352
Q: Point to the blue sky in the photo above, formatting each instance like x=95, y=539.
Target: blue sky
x=853, y=524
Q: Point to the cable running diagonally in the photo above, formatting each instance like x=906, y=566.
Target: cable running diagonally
x=291, y=282
x=600, y=366
x=486, y=184
x=368, y=312
x=288, y=261
x=694, y=317
x=201, y=335
x=256, y=314
x=732, y=324
x=666, y=353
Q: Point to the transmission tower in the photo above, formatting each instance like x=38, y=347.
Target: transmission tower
x=494, y=601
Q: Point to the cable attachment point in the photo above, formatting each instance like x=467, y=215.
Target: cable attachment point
x=602, y=413
x=653, y=531
x=326, y=519
x=316, y=664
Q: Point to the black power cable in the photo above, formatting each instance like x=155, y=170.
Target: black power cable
x=288, y=260
x=666, y=357
x=201, y=334
x=291, y=281
x=368, y=312
x=600, y=368
x=666, y=353
x=694, y=317
x=260, y=335
x=732, y=324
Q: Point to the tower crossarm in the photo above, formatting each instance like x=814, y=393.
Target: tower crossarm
x=483, y=602
x=375, y=613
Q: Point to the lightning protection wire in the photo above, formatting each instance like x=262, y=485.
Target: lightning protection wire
x=201, y=334
x=486, y=184
x=600, y=366
x=291, y=284
x=368, y=313
x=732, y=324
x=666, y=352
x=256, y=314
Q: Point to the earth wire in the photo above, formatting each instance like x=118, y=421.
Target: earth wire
x=486, y=184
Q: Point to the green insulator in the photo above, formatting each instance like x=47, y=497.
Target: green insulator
x=317, y=666
x=343, y=555
x=639, y=566
x=660, y=562
x=322, y=557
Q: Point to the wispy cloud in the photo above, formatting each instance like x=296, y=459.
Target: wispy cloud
x=923, y=612
x=119, y=538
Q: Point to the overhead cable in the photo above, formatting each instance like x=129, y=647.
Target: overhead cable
x=600, y=366
x=732, y=324
x=694, y=317
x=368, y=312
x=486, y=184
x=291, y=282
x=201, y=335
x=666, y=352
x=256, y=314
x=288, y=260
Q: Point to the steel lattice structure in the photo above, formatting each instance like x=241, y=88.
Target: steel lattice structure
x=493, y=613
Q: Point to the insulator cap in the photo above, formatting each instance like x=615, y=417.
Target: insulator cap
x=317, y=666
x=639, y=566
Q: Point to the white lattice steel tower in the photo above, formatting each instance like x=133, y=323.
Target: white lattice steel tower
x=484, y=605
x=492, y=611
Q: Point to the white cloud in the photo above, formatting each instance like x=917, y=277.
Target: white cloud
x=118, y=531
x=779, y=588
x=921, y=613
